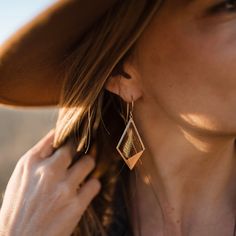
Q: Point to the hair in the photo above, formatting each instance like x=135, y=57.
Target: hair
x=95, y=118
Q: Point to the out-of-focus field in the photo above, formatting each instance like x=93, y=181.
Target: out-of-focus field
x=20, y=129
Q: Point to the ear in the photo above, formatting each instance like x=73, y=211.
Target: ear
x=126, y=84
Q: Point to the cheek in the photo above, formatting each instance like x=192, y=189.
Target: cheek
x=192, y=74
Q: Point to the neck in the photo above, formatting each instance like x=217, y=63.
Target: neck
x=186, y=180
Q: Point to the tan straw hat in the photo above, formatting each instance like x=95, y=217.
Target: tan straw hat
x=30, y=60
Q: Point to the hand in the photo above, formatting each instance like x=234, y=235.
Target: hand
x=41, y=197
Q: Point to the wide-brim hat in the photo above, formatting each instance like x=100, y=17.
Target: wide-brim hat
x=30, y=59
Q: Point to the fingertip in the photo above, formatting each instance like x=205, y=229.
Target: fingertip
x=45, y=146
x=51, y=133
x=49, y=139
x=96, y=184
x=87, y=192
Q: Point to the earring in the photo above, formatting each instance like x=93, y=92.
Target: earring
x=130, y=145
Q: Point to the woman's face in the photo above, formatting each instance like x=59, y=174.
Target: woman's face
x=186, y=61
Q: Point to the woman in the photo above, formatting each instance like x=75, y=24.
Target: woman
x=174, y=62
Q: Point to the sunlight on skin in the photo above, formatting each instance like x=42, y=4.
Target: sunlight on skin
x=196, y=120
x=146, y=180
x=200, y=145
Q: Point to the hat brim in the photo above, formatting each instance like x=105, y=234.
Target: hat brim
x=30, y=60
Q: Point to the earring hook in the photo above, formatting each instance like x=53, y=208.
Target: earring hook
x=129, y=111
x=132, y=107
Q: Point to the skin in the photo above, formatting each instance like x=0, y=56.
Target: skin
x=41, y=197
x=183, y=83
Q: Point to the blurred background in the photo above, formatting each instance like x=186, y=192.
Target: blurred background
x=21, y=128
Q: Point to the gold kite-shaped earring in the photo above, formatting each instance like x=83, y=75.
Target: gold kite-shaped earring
x=130, y=145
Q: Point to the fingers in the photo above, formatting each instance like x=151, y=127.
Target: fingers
x=77, y=173
x=85, y=195
x=62, y=157
x=44, y=147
